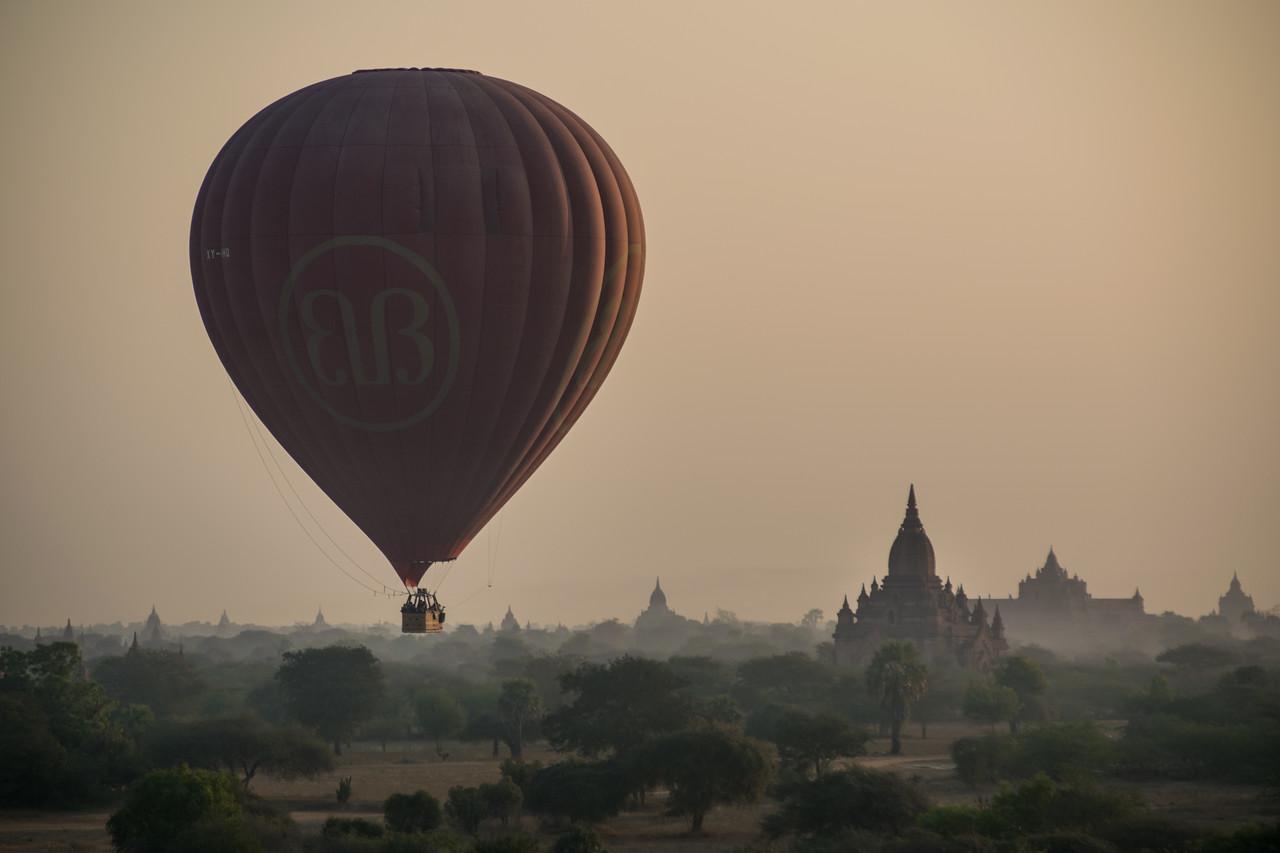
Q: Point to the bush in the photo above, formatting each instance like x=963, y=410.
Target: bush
x=185, y=809
x=1039, y=805
x=501, y=800
x=579, y=840
x=416, y=812
x=578, y=791
x=1258, y=838
x=1061, y=750
x=343, y=794
x=981, y=760
x=1149, y=832
x=853, y=799
x=1067, y=842
x=520, y=773
x=421, y=842
x=952, y=821
x=1178, y=748
x=466, y=808
x=350, y=827
x=519, y=843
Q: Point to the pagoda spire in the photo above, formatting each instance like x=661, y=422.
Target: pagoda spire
x=911, y=520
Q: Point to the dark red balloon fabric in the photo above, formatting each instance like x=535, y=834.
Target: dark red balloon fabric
x=418, y=279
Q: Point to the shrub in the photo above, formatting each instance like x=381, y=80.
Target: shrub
x=950, y=821
x=1061, y=750
x=853, y=799
x=192, y=810
x=343, y=794
x=981, y=760
x=1258, y=838
x=1184, y=749
x=520, y=773
x=517, y=843
x=1039, y=805
x=420, y=842
x=416, y=812
x=579, y=840
x=466, y=808
x=350, y=827
x=1067, y=842
x=578, y=791
x=1150, y=832
x=501, y=800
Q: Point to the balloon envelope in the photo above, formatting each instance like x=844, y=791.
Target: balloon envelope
x=418, y=279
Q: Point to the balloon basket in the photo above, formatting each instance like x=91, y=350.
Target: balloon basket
x=420, y=623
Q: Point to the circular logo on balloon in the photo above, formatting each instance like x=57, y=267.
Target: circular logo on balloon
x=370, y=331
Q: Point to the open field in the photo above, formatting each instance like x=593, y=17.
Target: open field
x=408, y=766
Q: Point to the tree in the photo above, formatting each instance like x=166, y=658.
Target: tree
x=1193, y=656
x=812, y=620
x=178, y=809
x=501, y=799
x=617, y=706
x=519, y=706
x=706, y=767
x=791, y=679
x=990, y=703
x=393, y=719
x=243, y=745
x=331, y=690
x=1025, y=678
x=163, y=681
x=439, y=716
x=898, y=678
x=466, y=808
x=854, y=799
x=577, y=790
x=416, y=812
x=62, y=739
x=815, y=740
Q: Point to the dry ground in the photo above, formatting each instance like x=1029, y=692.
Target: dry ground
x=412, y=765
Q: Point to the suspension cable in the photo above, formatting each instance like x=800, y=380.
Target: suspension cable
x=285, y=476
x=261, y=458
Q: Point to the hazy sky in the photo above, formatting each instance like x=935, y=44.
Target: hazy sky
x=1026, y=255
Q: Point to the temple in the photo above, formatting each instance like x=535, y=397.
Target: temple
x=1053, y=607
x=153, y=633
x=1235, y=606
x=913, y=605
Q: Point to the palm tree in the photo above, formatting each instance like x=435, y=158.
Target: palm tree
x=899, y=678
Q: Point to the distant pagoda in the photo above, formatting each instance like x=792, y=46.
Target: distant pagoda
x=1235, y=605
x=153, y=630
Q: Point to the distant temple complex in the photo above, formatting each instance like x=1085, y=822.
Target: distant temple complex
x=1053, y=602
x=510, y=624
x=913, y=605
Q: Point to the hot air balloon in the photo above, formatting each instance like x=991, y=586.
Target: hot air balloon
x=418, y=279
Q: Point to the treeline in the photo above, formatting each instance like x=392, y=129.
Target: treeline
x=188, y=737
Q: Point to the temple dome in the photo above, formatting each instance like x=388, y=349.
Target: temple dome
x=911, y=555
